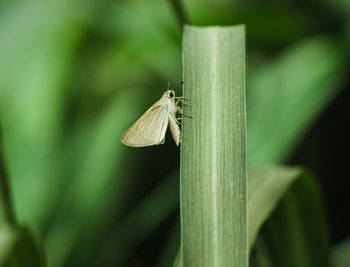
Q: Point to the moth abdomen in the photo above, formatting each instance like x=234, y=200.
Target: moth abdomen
x=174, y=130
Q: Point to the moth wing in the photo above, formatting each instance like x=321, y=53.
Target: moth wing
x=149, y=129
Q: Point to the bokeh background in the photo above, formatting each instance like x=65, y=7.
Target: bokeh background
x=74, y=75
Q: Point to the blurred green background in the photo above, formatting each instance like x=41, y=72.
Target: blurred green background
x=74, y=75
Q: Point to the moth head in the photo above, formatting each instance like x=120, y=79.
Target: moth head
x=170, y=94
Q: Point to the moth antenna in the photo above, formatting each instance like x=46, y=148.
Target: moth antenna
x=168, y=85
x=181, y=83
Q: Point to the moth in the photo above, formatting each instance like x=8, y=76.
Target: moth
x=150, y=129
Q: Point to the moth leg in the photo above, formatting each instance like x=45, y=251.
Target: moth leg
x=181, y=97
x=176, y=119
x=181, y=112
x=186, y=115
x=183, y=103
x=186, y=104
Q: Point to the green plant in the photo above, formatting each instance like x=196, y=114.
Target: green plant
x=75, y=74
x=214, y=230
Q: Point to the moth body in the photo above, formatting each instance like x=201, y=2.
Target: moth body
x=174, y=130
x=150, y=129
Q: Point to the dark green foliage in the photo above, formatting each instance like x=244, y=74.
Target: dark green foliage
x=74, y=75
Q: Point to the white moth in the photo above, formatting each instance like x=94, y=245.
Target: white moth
x=150, y=129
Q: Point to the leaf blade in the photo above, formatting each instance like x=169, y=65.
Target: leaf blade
x=213, y=160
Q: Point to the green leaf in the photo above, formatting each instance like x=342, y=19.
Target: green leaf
x=83, y=206
x=340, y=255
x=213, y=187
x=286, y=203
x=19, y=248
x=286, y=95
x=129, y=232
x=34, y=82
x=172, y=248
x=295, y=234
x=266, y=187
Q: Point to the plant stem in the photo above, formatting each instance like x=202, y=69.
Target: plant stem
x=5, y=192
x=179, y=12
x=214, y=229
